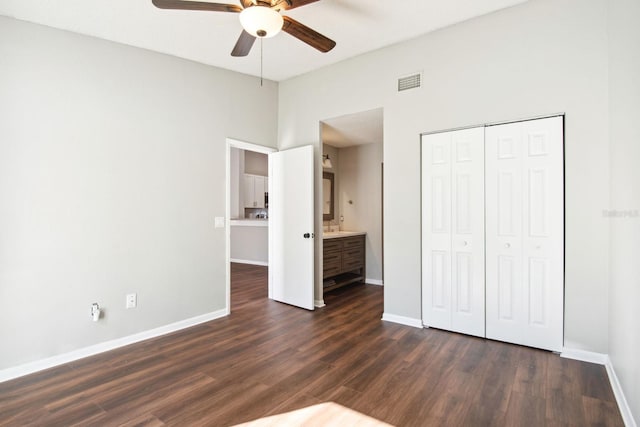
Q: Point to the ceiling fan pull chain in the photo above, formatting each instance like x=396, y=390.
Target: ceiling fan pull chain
x=261, y=40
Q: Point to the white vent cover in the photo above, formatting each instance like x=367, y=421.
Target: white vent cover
x=410, y=82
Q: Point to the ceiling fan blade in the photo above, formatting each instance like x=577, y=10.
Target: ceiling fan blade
x=246, y=3
x=291, y=4
x=307, y=35
x=243, y=45
x=196, y=5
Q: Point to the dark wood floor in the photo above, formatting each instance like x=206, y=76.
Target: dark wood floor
x=268, y=358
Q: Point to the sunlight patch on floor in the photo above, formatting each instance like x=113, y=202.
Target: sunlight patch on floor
x=323, y=414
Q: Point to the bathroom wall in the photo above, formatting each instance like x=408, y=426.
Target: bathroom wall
x=334, y=155
x=360, y=200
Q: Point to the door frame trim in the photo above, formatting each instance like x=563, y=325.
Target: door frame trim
x=498, y=123
x=242, y=145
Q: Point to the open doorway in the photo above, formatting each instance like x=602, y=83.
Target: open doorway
x=352, y=161
x=247, y=218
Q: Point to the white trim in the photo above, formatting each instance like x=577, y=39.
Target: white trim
x=584, y=356
x=408, y=321
x=242, y=145
x=625, y=410
x=40, y=365
x=376, y=282
x=502, y=122
x=319, y=303
x=248, y=261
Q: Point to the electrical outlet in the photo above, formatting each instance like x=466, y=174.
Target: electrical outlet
x=132, y=300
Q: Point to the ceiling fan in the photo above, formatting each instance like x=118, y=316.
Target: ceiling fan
x=259, y=19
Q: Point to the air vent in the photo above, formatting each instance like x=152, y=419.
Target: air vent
x=410, y=82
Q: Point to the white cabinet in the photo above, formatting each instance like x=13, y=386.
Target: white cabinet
x=493, y=232
x=255, y=187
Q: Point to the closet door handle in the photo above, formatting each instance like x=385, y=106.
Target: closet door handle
x=464, y=243
x=507, y=245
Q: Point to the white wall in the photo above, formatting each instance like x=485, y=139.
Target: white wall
x=361, y=183
x=541, y=57
x=112, y=169
x=624, y=103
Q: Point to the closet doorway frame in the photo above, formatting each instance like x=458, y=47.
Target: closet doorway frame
x=562, y=115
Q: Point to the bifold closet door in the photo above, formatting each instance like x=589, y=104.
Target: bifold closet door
x=453, y=231
x=525, y=233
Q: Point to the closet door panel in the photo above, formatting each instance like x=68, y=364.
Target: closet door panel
x=467, y=239
x=453, y=231
x=503, y=194
x=436, y=230
x=525, y=220
x=543, y=237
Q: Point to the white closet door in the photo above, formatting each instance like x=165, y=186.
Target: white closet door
x=436, y=230
x=453, y=231
x=525, y=233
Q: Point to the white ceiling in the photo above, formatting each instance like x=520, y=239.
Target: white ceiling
x=358, y=26
x=353, y=129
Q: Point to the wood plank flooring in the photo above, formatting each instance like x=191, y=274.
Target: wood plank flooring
x=268, y=358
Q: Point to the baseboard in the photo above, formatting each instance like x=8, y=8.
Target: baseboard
x=603, y=359
x=625, y=410
x=319, y=303
x=584, y=356
x=408, y=321
x=374, y=282
x=248, y=261
x=40, y=365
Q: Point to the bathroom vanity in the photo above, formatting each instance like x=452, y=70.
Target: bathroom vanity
x=343, y=259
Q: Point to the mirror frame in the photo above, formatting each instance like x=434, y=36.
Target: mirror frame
x=330, y=215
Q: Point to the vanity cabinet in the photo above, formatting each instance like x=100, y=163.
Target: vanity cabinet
x=343, y=261
x=255, y=186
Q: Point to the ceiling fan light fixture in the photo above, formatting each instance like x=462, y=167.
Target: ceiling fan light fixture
x=261, y=21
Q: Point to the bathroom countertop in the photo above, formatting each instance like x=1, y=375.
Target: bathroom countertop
x=336, y=234
x=246, y=222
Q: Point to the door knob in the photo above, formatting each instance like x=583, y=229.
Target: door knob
x=507, y=245
x=306, y=235
x=464, y=243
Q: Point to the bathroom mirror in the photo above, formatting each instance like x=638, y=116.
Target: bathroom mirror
x=327, y=196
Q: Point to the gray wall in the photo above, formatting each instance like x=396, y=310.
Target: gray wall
x=256, y=163
x=624, y=103
x=361, y=183
x=250, y=244
x=334, y=155
x=112, y=169
x=541, y=57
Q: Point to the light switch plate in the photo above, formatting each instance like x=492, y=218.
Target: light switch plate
x=219, y=222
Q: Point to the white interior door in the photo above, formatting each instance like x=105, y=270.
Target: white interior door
x=525, y=233
x=453, y=231
x=291, y=236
